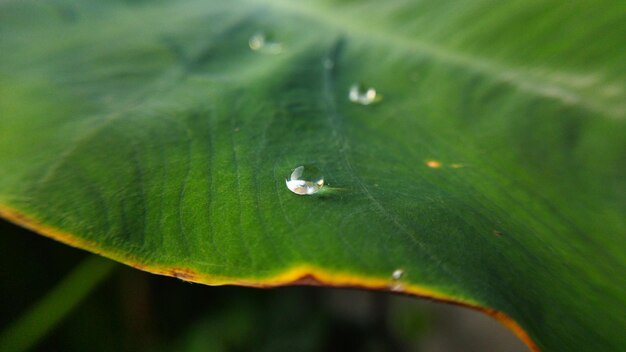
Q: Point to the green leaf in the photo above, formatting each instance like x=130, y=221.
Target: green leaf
x=491, y=173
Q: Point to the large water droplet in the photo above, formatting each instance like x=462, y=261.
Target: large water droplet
x=305, y=181
x=263, y=43
x=364, y=96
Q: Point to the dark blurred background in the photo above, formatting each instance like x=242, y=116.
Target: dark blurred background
x=136, y=311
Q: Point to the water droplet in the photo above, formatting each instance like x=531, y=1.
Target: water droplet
x=257, y=41
x=433, y=164
x=395, y=277
x=364, y=96
x=305, y=181
x=397, y=274
x=263, y=43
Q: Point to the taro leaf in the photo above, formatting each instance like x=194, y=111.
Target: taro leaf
x=491, y=173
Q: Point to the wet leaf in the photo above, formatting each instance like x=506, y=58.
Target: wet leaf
x=491, y=174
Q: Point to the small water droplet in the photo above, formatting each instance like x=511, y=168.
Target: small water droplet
x=364, y=96
x=257, y=41
x=433, y=164
x=260, y=42
x=396, y=285
x=397, y=274
x=305, y=181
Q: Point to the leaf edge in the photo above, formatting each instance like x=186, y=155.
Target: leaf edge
x=299, y=275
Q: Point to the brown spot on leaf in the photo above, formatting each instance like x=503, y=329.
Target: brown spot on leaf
x=183, y=274
x=307, y=280
x=434, y=164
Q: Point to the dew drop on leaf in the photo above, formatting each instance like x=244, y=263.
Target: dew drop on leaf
x=397, y=274
x=364, y=96
x=395, y=277
x=257, y=41
x=305, y=181
x=260, y=42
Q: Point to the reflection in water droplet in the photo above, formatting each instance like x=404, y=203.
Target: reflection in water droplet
x=397, y=287
x=262, y=43
x=397, y=274
x=360, y=95
x=305, y=181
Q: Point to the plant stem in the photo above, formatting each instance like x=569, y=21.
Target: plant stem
x=41, y=318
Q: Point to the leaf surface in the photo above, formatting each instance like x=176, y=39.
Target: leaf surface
x=490, y=174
